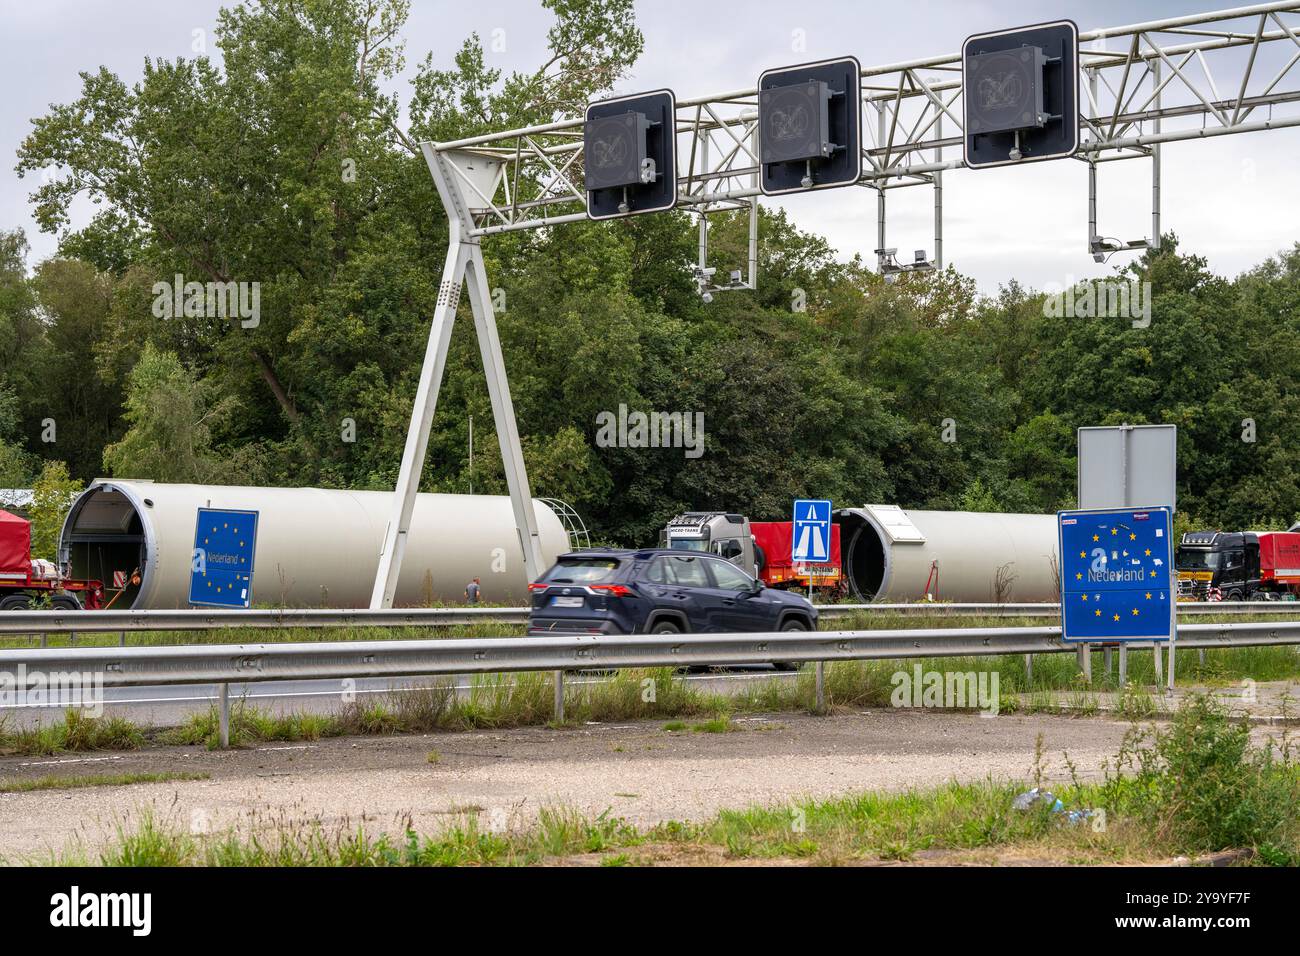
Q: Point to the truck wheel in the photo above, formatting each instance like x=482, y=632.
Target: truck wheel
x=65, y=602
x=794, y=624
x=1233, y=595
x=16, y=602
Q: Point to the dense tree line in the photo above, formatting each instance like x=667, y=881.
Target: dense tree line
x=290, y=166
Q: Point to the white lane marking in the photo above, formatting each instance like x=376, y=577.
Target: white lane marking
x=53, y=763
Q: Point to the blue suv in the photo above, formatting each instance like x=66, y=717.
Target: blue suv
x=658, y=591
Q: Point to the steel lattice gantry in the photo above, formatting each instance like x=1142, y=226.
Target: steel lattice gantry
x=1184, y=78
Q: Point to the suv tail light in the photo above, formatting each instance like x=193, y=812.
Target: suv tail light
x=613, y=590
x=538, y=586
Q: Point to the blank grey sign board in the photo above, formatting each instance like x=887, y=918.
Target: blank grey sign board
x=1125, y=466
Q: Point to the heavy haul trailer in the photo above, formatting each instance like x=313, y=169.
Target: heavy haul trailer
x=26, y=581
x=759, y=548
x=887, y=553
x=1238, y=565
x=1279, y=561
x=774, y=542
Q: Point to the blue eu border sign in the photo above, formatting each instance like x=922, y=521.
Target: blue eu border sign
x=1116, y=575
x=221, y=566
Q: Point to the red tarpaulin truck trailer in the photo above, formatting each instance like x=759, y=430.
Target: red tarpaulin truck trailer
x=25, y=580
x=1279, y=560
x=776, y=568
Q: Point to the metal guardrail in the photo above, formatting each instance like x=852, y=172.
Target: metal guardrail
x=240, y=663
x=207, y=619
x=225, y=664
x=87, y=622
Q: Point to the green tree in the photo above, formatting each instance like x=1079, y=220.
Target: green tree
x=53, y=492
x=171, y=417
x=75, y=299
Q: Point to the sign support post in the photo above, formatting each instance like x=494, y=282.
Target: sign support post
x=452, y=172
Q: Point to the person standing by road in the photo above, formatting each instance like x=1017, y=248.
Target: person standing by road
x=471, y=592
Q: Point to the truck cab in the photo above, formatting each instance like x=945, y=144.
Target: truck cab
x=714, y=532
x=1225, y=561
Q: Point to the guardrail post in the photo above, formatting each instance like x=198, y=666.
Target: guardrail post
x=121, y=641
x=1123, y=665
x=1160, y=668
x=559, y=697
x=820, y=680
x=1170, y=688
x=223, y=717
x=45, y=639
x=1029, y=671
x=1085, y=662
x=1107, y=662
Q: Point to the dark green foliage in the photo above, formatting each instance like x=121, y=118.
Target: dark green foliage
x=291, y=166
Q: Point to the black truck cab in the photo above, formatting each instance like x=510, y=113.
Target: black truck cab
x=1227, y=561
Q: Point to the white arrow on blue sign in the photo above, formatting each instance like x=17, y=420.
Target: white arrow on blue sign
x=812, y=531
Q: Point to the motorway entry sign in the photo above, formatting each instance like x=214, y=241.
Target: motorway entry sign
x=812, y=531
x=1116, y=581
x=221, y=566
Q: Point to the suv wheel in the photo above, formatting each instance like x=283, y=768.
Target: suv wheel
x=794, y=624
x=665, y=627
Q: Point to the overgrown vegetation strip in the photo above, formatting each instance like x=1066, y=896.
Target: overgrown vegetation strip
x=1195, y=787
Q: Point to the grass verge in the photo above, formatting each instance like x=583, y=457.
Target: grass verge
x=96, y=780
x=74, y=732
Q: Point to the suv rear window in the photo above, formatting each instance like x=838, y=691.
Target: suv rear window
x=582, y=571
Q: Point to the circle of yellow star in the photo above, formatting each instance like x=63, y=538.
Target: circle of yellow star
x=1095, y=538
x=1078, y=575
x=1097, y=612
x=1117, y=617
x=1114, y=530
x=1132, y=536
x=1135, y=612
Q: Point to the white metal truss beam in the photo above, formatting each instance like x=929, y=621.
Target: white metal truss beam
x=1182, y=78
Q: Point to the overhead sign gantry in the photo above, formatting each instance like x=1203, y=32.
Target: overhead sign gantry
x=1135, y=88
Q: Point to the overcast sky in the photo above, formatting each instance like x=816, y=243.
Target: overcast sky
x=1235, y=199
